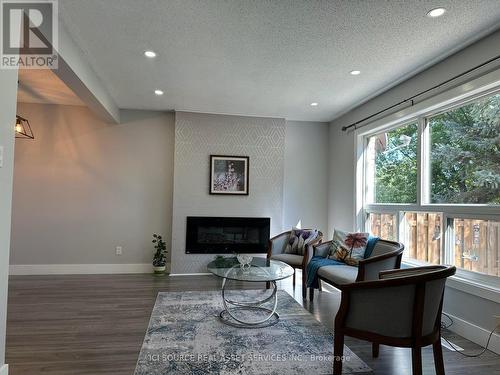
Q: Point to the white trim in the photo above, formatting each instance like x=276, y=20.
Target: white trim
x=475, y=288
x=359, y=182
x=68, y=269
x=466, y=211
x=4, y=370
x=191, y=274
x=475, y=333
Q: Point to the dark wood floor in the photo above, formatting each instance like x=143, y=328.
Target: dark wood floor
x=95, y=324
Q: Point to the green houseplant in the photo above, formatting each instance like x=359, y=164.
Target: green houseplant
x=160, y=255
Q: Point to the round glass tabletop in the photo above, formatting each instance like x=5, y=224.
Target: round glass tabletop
x=261, y=269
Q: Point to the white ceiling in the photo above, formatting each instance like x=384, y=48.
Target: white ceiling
x=267, y=57
x=44, y=87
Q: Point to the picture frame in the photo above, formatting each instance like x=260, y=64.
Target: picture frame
x=229, y=175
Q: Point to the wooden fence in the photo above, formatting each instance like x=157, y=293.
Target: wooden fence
x=476, y=242
x=423, y=236
x=477, y=245
x=383, y=226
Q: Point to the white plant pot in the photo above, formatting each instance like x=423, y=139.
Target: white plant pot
x=159, y=269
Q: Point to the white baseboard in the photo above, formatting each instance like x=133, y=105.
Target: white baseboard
x=191, y=274
x=475, y=333
x=71, y=269
x=4, y=370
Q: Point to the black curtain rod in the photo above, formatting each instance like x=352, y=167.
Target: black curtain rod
x=411, y=98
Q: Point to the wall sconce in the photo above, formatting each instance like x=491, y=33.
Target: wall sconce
x=23, y=128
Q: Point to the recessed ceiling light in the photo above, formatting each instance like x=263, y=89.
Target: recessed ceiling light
x=355, y=72
x=158, y=92
x=150, y=54
x=436, y=12
x=314, y=104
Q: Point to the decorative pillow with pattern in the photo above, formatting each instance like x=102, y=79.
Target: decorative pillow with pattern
x=348, y=247
x=298, y=240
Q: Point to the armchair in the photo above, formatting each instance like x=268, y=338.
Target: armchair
x=386, y=255
x=276, y=251
x=402, y=308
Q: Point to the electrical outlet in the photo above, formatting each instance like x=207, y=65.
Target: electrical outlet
x=119, y=250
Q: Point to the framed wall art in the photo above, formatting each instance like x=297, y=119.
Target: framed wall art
x=229, y=175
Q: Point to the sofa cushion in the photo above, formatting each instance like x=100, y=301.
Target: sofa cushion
x=339, y=274
x=298, y=240
x=291, y=259
x=348, y=247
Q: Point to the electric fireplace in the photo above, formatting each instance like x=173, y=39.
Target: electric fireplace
x=227, y=235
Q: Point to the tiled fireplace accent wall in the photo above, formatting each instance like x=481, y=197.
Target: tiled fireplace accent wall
x=197, y=136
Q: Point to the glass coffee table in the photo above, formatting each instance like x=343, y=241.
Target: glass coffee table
x=250, y=313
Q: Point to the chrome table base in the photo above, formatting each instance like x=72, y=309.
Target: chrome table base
x=229, y=317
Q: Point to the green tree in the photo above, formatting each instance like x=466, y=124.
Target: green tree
x=396, y=167
x=465, y=153
x=465, y=157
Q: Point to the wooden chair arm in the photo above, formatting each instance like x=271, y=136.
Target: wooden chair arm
x=411, y=271
x=444, y=271
x=365, y=264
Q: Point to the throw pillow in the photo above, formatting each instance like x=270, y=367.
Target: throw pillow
x=298, y=240
x=348, y=247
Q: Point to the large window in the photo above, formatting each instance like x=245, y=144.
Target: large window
x=392, y=166
x=465, y=157
x=433, y=183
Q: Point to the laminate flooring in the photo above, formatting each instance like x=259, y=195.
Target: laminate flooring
x=95, y=324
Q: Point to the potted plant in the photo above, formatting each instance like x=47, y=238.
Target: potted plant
x=160, y=255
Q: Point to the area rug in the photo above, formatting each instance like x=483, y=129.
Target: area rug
x=186, y=336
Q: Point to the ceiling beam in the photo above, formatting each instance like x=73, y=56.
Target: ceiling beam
x=75, y=71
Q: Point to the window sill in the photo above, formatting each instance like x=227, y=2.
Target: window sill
x=465, y=284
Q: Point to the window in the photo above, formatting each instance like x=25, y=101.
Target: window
x=391, y=159
x=433, y=183
x=465, y=156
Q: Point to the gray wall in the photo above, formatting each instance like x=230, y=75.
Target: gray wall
x=83, y=186
x=305, y=187
x=341, y=191
x=199, y=135
x=8, y=92
x=342, y=163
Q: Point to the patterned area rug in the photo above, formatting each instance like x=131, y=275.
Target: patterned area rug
x=185, y=336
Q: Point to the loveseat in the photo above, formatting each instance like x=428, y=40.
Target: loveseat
x=386, y=255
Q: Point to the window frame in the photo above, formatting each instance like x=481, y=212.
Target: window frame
x=408, y=122
x=468, y=92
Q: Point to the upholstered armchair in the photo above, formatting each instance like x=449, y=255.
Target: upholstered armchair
x=402, y=309
x=386, y=255
x=276, y=251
